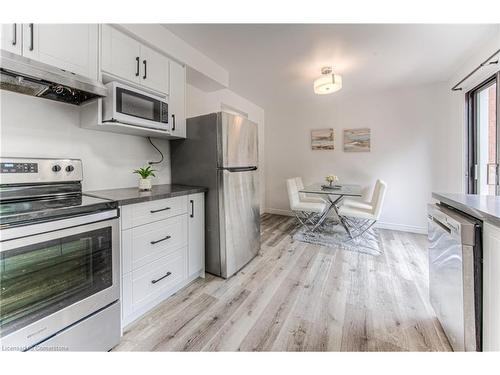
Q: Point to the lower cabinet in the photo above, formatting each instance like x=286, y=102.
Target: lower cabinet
x=196, y=230
x=491, y=288
x=162, y=248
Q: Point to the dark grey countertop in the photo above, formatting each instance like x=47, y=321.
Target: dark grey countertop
x=483, y=207
x=126, y=196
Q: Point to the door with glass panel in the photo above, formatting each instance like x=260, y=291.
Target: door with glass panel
x=484, y=136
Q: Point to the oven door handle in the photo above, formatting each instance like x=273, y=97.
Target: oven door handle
x=28, y=234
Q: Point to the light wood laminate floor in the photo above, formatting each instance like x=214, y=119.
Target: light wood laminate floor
x=299, y=297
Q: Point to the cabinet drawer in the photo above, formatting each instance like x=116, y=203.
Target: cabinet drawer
x=144, y=244
x=152, y=280
x=143, y=213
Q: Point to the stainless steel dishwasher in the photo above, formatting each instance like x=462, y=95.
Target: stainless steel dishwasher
x=455, y=275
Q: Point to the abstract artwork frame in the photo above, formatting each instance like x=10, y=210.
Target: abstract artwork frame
x=357, y=140
x=323, y=139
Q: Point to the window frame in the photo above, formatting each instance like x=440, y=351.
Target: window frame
x=472, y=133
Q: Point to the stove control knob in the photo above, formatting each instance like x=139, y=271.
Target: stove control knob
x=56, y=168
x=70, y=168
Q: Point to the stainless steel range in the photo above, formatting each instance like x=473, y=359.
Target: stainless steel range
x=59, y=259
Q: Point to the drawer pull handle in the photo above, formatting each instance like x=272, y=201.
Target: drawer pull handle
x=161, y=278
x=161, y=209
x=163, y=239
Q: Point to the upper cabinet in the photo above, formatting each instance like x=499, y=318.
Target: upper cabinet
x=12, y=37
x=72, y=47
x=120, y=54
x=177, y=100
x=127, y=59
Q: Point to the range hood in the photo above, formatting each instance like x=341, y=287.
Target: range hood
x=26, y=76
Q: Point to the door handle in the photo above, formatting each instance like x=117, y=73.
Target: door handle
x=32, y=43
x=145, y=69
x=161, y=240
x=137, y=66
x=14, y=34
x=161, y=278
x=173, y=122
x=192, y=208
x=159, y=210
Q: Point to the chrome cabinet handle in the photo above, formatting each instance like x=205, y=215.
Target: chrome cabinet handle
x=160, y=240
x=161, y=209
x=32, y=43
x=192, y=208
x=161, y=278
x=137, y=66
x=145, y=69
x=173, y=122
x=14, y=34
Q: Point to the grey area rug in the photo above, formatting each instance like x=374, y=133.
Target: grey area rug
x=334, y=236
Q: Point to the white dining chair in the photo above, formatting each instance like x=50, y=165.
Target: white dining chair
x=303, y=196
x=304, y=211
x=358, y=217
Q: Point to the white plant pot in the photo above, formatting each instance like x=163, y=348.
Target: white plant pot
x=144, y=184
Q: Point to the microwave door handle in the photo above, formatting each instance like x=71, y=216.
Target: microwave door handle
x=137, y=66
x=173, y=122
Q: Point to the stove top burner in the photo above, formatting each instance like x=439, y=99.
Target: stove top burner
x=40, y=190
x=30, y=211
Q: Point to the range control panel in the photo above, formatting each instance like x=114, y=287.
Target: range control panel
x=19, y=167
x=28, y=171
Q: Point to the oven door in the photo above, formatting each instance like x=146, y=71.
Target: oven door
x=138, y=108
x=52, y=280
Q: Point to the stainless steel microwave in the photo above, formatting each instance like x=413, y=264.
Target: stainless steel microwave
x=128, y=105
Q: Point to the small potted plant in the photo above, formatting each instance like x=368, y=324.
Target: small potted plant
x=144, y=180
x=331, y=179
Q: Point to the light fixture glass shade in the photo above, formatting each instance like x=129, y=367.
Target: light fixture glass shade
x=327, y=83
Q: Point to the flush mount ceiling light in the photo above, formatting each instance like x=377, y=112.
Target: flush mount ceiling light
x=328, y=82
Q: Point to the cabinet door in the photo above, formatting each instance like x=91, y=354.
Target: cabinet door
x=72, y=47
x=120, y=54
x=12, y=37
x=177, y=102
x=154, y=70
x=196, y=233
x=491, y=288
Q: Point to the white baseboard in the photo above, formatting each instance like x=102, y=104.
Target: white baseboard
x=278, y=211
x=402, y=227
x=380, y=224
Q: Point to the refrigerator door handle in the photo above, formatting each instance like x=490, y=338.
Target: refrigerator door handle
x=240, y=169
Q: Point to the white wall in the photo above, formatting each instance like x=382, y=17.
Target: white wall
x=402, y=124
x=34, y=127
x=200, y=102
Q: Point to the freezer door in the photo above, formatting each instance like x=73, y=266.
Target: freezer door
x=239, y=219
x=237, y=141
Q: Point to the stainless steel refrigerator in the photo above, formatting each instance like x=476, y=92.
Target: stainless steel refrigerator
x=220, y=152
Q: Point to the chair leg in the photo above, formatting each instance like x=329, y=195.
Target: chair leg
x=358, y=230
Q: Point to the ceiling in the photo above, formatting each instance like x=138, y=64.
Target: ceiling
x=278, y=62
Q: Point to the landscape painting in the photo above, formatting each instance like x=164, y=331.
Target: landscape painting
x=357, y=140
x=323, y=139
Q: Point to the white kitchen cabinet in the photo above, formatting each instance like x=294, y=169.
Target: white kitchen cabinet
x=12, y=38
x=154, y=70
x=120, y=54
x=127, y=59
x=72, y=47
x=177, y=100
x=196, y=232
x=162, y=250
x=491, y=288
